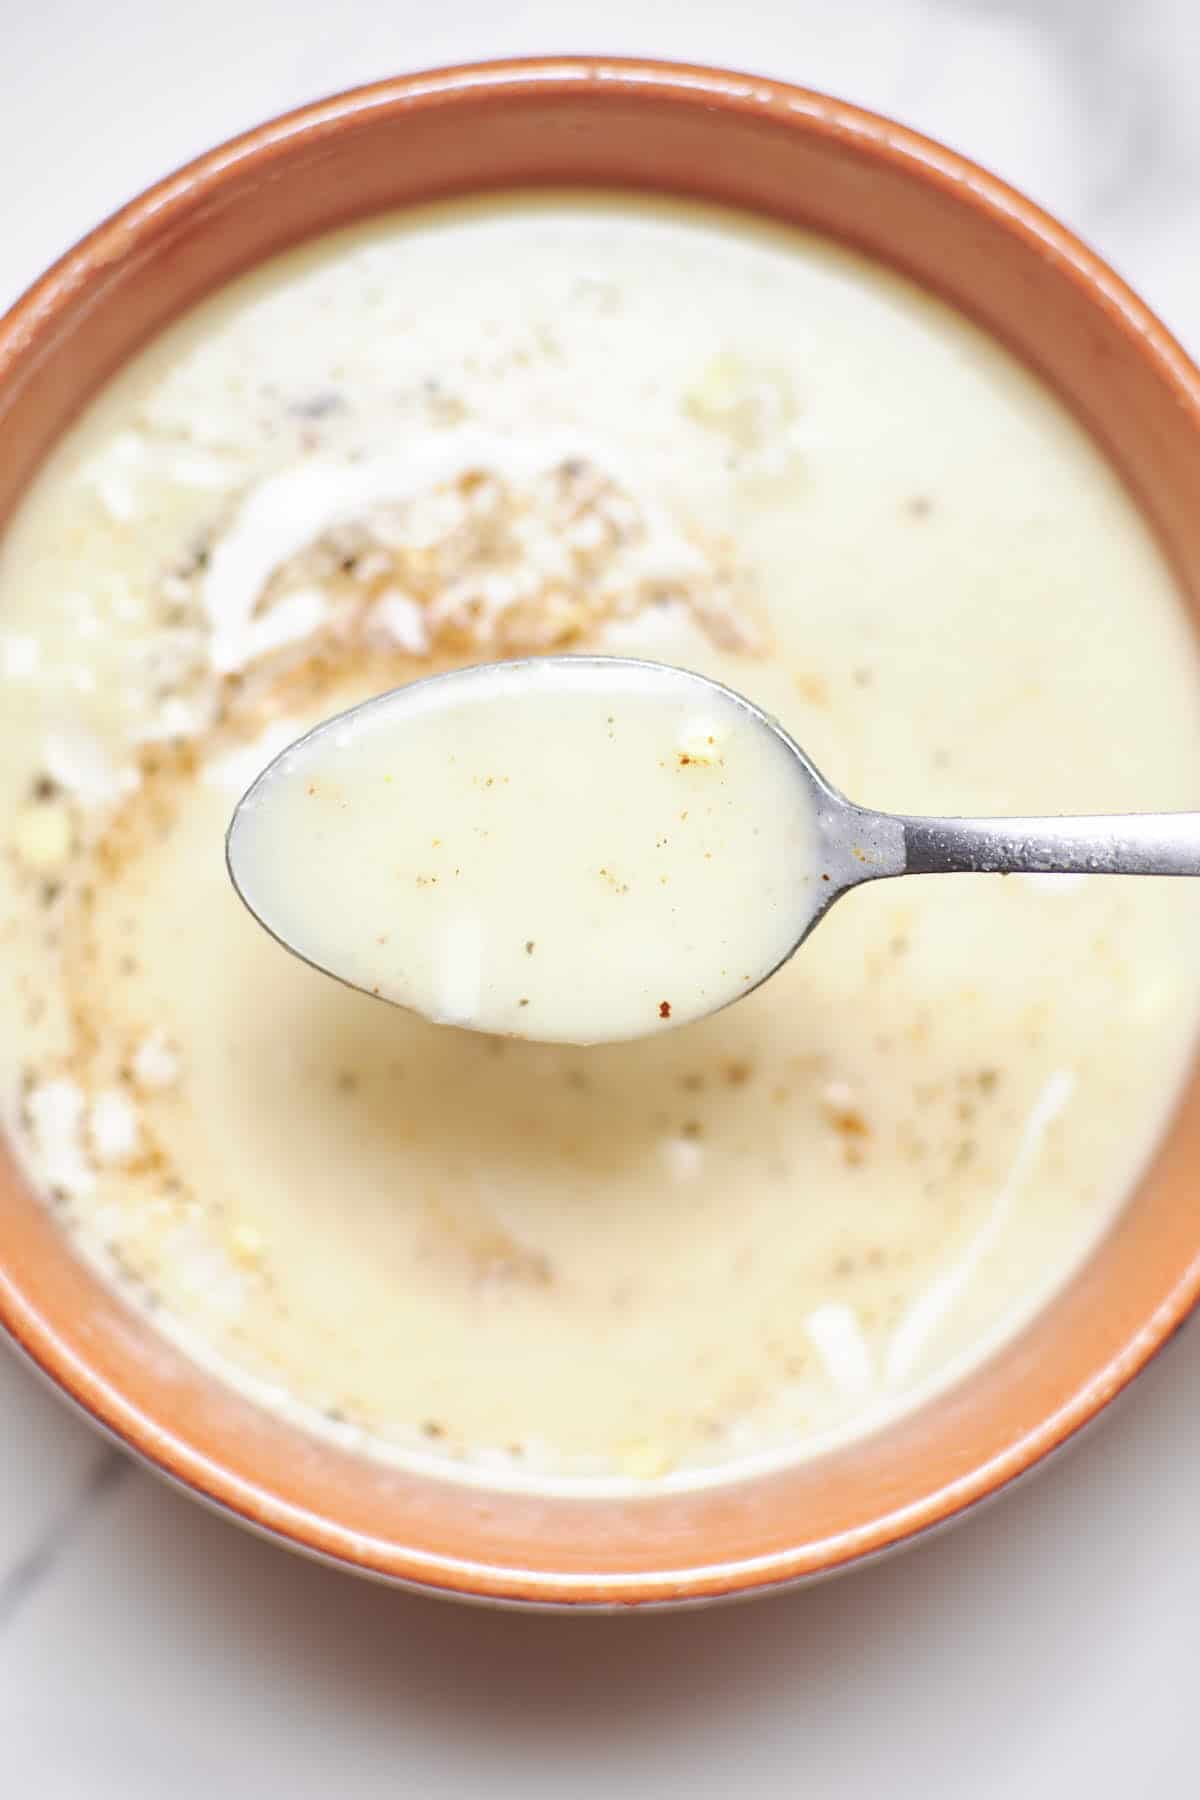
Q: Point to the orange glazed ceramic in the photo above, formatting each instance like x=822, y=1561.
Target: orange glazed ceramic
x=790, y=155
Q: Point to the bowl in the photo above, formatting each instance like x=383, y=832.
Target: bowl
x=790, y=155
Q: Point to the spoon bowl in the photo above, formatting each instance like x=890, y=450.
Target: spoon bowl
x=575, y=849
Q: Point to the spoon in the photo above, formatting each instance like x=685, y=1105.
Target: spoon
x=588, y=849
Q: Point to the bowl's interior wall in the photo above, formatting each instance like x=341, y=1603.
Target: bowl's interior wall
x=795, y=158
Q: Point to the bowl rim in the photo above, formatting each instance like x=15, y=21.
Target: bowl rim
x=24, y=331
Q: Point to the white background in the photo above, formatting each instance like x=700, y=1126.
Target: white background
x=1048, y=1647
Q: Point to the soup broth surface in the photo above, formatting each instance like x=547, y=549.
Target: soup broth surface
x=577, y=424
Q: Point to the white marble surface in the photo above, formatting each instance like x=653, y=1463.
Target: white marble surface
x=1049, y=1647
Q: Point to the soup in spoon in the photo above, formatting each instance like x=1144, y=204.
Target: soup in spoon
x=573, y=850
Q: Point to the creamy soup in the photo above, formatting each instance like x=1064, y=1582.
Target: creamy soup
x=577, y=851
x=485, y=432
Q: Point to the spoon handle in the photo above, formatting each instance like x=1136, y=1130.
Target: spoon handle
x=1124, y=844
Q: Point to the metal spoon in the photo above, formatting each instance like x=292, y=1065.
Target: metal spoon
x=853, y=844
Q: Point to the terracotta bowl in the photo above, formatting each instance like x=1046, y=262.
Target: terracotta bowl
x=790, y=155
